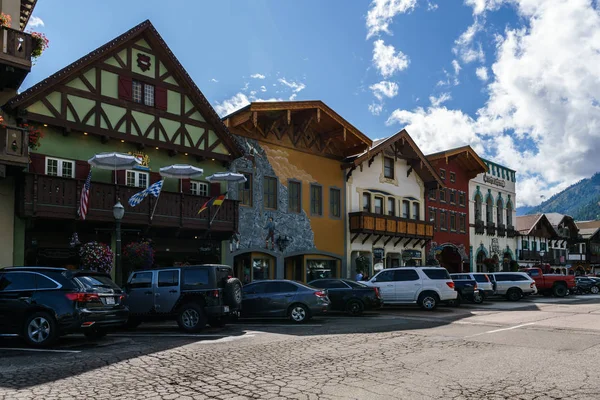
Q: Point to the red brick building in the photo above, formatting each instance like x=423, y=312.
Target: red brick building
x=448, y=208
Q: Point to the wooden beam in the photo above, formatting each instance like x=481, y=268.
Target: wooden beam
x=387, y=241
x=239, y=119
x=318, y=115
x=344, y=134
x=355, y=150
x=366, y=238
x=349, y=174
x=377, y=240
x=332, y=134
x=289, y=117
x=255, y=119
x=408, y=242
x=397, y=241
x=354, y=237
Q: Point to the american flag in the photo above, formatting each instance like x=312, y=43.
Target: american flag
x=84, y=201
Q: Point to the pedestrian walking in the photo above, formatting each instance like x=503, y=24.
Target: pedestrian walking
x=358, y=277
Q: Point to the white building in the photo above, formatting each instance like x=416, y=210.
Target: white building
x=385, y=194
x=535, y=235
x=492, y=213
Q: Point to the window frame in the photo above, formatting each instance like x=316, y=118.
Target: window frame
x=433, y=194
x=59, y=166
x=143, y=93
x=369, y=196
x=442, y=195
x=416, y=212
x=390, y=168
x=299, y=196
x=461, y=198
x=452, y=177
x=443, y=221
x=332, y=205
x=452, y=222
x=313, y=212
x=443, y=174
x=136, y=179
x=198, y=185
x=391, y=211
x=433, y=217
x=404, y=203
x=267, y=197
x=382, y=210
x=462, y=223
x=250, y=191
x=452, y=197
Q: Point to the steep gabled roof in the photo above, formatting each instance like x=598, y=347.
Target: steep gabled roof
x=36, y=91
x=402, y=142
x=588, y=224
x=466, y=157
x=527, y=223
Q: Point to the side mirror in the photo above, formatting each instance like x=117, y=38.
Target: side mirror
x=373, y=280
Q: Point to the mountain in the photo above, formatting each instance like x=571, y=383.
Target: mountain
x=581, y=201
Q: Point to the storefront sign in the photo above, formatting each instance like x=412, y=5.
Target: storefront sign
x=209, y=248
x=494, y=181
x=379, y=254
x=410, y=254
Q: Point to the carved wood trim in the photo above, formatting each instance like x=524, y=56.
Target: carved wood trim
x=72, y=109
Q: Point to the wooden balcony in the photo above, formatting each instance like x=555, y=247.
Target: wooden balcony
x=534, y=255
x=14, y=147
x=490, y=228
x=501, y=230
x=15, y=57
x=479, y=227
x=51, y=197
x=510, y=231
x=385, y=225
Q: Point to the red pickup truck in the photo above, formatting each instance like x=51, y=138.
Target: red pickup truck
x=558, y=285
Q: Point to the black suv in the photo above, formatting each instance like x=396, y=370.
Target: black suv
x=192, y=295
x=40, y=304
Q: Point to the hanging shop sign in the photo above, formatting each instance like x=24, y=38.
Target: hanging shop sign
x=379, y=254
x=410, y=254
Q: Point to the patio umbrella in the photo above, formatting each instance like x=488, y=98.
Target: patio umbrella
x=227, y=177
x=114, y=161
x=181, y=171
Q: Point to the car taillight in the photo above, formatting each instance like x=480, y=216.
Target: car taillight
x=320, y=293
x=215, y=293
x=450, y=285
x=377, y=292
x=83, y=297
x=532, y=285
x=475, y=287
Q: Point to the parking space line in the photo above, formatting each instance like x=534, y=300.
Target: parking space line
x=158, y=334
x=501, y=330
x=39, y=350
x=280, y=325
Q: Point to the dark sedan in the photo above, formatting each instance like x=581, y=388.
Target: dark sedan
x=352, y=297
x=283, y=299
x=40, y=304
x=586, y=284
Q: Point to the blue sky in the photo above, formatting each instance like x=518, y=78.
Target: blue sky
x=453, y=72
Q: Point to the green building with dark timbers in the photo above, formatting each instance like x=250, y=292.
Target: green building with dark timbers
x=131, y=96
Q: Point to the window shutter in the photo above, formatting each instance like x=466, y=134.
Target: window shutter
x=82, y=169
x=160, y=98
x=215, y=189
x=186, y=186
x=125, y=88
x=37, y=165
x=120, y=177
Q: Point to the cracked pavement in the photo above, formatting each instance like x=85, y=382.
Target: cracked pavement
x=533, y=350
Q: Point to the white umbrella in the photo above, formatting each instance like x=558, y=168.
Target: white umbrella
x=227, y=177
x=181, y=171
x=114, y=161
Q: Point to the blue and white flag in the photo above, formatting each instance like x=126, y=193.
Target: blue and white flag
x=154, y=190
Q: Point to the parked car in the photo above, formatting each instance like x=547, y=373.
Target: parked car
x=192, y=295
x=484, y=284
x=558, y=285
x=283, y=299
x=585, y=284
x=40, y=304
x=425, y=286
x=514, y=285
x=352, y=297
x=467, y=290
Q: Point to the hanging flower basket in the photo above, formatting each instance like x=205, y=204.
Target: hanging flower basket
x=5, y=20
x=34, y=134
x=139, y=255
x=39, y=44
x=96, y=257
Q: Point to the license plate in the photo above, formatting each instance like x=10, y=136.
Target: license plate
x=110, y=300
x=226, y=308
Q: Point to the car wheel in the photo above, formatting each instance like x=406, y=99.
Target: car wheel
x=94, y=334
x=559, y=290
x=233, y=293
x=514, y=294
x=595, y=290
x=298, y=313
x=216, y=322
x=355, y=307
x=428, y=301
x=40, y=330
x=191, y=318
x=478, y=298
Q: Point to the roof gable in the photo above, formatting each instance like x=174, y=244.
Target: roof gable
x=535, y=225
x=88, y=95
x=466, y=158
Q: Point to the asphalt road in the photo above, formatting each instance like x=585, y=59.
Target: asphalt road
x=539, y=348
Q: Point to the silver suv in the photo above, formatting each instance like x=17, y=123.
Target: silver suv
x=484, y=283
x=514, y=285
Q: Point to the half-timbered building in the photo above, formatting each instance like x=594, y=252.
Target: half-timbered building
x=131, y=96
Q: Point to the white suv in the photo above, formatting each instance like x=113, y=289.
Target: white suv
x=514, y=285
x=425, y=286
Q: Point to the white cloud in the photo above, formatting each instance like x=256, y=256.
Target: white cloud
x=295, y=86
x=384, y=89
x=438, y=101
x=35, y=21
x=246, y=85
x=375, y=108
x=456, y=67
x=257, y=76
x=253, y=93
x=263, y=89
x=482, y=73
x=214, y=80
x=387, y=60
x=382, y=12
x=464, y=46
x=293, y=97
x=233, y=104
x=542, y=117
x=431, y=6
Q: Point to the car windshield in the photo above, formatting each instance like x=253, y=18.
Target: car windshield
x=436, y=273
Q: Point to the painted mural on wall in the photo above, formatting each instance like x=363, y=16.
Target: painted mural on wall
x=275, y=230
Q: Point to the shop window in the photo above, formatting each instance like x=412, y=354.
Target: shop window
x=261, y=269
x=270, y=192
x=453, y=222
x=405, y=209
x=366, y=202
x=443, y=195
x=59, y=167
x=316, y=200
x=335, y=203
x=199, y=188
x=452, y=177
x=443, y=226
x=320, y=269
x=136, y=178
x=416, y=212
x=294, y=196
x=388, y=167
x=461, y=198
x=245, y=190
x=378, y=205
x=391, y=206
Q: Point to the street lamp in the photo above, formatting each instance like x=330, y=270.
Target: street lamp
x=118, y=213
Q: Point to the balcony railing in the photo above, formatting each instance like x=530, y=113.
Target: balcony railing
x=58, y=198
x=362, y=222
x=501, y=230
x=479, y=227
x=490, y=228
x=510, y=231
x=14, y=147
x=534, y=255
x=15, y=52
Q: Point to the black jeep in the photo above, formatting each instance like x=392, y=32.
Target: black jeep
x=193, y=295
